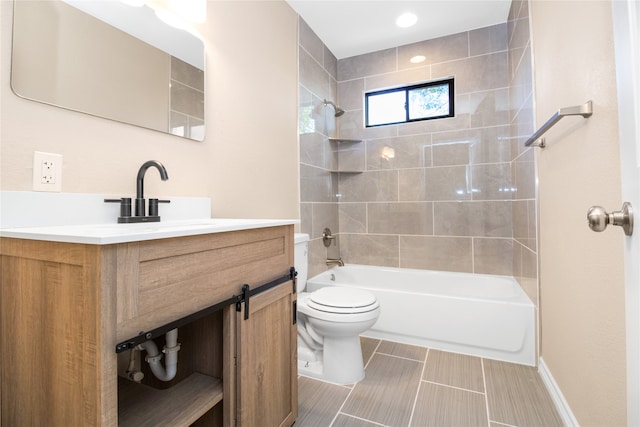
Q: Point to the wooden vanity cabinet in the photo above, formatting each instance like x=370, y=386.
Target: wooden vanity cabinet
x=65, y=307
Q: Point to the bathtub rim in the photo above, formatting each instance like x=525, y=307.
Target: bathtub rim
x=521, y=296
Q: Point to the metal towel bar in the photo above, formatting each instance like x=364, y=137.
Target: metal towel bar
x=585, y=110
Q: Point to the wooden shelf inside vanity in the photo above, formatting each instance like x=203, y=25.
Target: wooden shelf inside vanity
x=181, y=405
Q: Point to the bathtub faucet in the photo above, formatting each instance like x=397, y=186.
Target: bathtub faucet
x=331, y=261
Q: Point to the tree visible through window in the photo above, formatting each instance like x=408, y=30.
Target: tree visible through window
x=425, y=101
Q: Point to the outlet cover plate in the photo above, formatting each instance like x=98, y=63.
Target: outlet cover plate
x=47, y=171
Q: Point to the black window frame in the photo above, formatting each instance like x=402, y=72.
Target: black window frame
x=406, y=89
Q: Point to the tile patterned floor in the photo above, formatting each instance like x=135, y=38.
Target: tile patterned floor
x=415, y=386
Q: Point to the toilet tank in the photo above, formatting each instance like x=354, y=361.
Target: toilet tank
x=300, y=258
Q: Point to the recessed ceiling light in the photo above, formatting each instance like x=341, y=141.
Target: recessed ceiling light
x=406, y=20
x=418, y=59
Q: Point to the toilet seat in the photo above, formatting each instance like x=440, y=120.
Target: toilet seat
x=339, y=300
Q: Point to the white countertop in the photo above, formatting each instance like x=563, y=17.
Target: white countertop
x=105, y=234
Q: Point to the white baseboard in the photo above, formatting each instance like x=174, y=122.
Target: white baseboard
x=559, y=401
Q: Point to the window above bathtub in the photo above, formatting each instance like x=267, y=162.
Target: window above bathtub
x=425, y=101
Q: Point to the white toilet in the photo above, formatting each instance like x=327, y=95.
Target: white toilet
x=330, y=321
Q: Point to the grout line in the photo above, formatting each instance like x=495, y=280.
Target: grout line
x=502, y=424
x=354, y=386
x=400, y=357
x=486, y=392
x=453, y=387
x=473, y=255
x=375, y=350
x=433, y=218
x=358, y=418
x=342, y=406
x=415, y=400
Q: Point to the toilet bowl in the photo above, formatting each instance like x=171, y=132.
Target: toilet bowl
x=330, y=321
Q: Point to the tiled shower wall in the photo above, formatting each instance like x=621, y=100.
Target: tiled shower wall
x=443, y=201
x=441, y=194
x=525, y=246
x=318, y=185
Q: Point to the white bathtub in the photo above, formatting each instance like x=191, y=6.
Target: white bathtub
x=475, y=314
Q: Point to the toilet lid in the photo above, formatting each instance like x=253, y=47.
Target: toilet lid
x=342, y=300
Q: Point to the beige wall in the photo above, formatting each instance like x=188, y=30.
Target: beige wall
x=581, y=272
x=248, y=161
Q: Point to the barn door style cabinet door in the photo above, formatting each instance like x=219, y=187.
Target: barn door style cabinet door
x=266, y=357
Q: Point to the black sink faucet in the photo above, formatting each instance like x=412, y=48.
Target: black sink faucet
x=140, y=204
x=140, y=211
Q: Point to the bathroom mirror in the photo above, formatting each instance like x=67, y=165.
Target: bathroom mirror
x=126, y=66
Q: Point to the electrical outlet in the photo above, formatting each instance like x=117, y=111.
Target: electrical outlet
x=47, y=171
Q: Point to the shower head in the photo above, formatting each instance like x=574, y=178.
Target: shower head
x=339, y=111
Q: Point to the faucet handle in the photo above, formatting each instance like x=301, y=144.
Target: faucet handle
x=327, y=237
x=153, y=206
x=125, y=205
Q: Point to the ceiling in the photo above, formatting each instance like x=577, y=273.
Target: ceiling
x=354, y=27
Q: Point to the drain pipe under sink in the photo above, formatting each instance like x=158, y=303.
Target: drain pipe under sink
x=171, y=349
